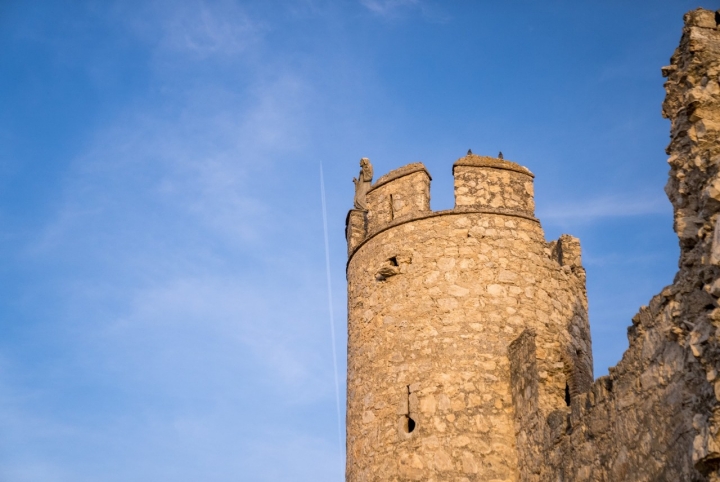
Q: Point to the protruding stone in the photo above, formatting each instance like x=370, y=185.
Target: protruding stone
x=715, y=244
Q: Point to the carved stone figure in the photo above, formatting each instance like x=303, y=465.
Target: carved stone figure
x=362, y=183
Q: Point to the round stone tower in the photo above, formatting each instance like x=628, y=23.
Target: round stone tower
x=435, y=302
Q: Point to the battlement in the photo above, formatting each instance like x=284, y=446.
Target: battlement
x=400, y=194
x=487, y=182
x=482, y=184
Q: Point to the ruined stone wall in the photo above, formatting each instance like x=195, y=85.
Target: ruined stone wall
x=655, y=417
x=434, y=302
x=468, y=344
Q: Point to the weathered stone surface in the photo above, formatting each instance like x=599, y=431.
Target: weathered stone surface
x=355, y=228
x=655, y=416
x=398, y=195
x=486, y=182
x=469, y=353
x=362, y=184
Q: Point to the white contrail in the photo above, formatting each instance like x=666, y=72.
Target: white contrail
x=332, y=318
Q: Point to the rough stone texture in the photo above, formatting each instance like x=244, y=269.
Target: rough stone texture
x=468, y=333
x=488, y=182
x=355, y=228
x=398, y=195
x=655, y=417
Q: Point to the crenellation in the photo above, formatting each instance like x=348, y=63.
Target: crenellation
x=566, y=251
x=401, y=194
x=486, y=182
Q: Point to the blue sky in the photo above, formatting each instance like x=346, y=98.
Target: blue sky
x=163, y=311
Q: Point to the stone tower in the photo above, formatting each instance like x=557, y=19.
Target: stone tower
x=435, y=302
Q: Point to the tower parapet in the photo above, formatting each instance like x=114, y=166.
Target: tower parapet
x=400, y=194
x=482, y=184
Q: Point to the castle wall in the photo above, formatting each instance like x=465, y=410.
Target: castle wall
x=434, y=302
x=656, y=416
x=469, y=352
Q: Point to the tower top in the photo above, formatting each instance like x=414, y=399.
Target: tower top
x=401, y=172
x=474, y=160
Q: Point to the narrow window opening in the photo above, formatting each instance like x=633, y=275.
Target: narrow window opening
x=567, y=394
x=717, y=17
x=393, y=261
x=410, y=424
x=392, y=212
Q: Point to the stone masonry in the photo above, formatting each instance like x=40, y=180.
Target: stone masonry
x=469, y=351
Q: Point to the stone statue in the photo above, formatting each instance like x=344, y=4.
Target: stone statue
x=362, y=183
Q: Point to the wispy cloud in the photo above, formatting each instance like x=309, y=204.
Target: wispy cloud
x=191, y=310
x=622, y=259
x=209, y=28
x=610, y=206
x=207, y=161
x=390, y=9
x=202, y=324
